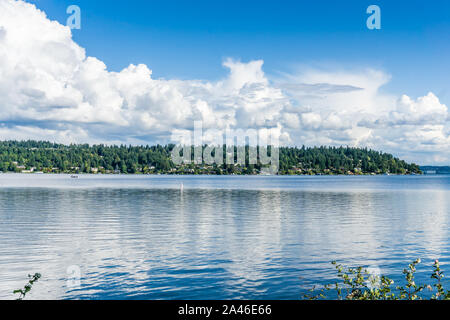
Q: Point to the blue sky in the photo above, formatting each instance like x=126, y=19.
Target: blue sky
x=307, y=72
x=189, y=39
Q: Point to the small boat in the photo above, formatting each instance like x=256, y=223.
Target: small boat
x=74, y=177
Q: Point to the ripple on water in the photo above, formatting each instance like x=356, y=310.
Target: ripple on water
x=221, y=238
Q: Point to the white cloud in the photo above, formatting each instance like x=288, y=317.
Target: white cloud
x=46, y=76
x=425, y=110
x=51, y=90
x=311, y=120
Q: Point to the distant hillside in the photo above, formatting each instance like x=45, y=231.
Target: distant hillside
x=435, y=169
x=47, y=157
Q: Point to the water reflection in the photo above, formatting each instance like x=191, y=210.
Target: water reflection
x=270, y=238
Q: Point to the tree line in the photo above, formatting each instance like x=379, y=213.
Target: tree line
x=43, y=156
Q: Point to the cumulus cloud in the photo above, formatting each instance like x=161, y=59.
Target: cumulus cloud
x=349, y=108
x=50, y=90
x=47, y=77
x=424, y=110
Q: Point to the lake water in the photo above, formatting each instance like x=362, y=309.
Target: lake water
x=220, y=237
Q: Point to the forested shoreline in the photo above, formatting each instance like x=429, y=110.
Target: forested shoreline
x=47, y=157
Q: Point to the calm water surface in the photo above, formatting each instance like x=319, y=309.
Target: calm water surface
x=142, y=237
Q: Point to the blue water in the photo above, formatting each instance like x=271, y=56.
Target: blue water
x=229, y=237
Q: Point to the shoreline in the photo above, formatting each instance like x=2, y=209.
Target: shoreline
x=218, y=175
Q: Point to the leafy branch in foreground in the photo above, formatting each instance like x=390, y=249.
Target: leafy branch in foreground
x=27, y=288
x=361, y=284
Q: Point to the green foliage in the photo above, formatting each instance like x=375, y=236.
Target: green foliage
x=411, y=291
x=47, y=157
x=341, y=160
x=360, y=284
x=51, y=157
x=438, y=275
x=27, y=288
